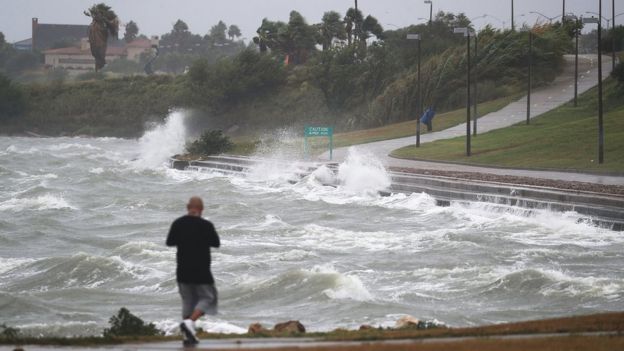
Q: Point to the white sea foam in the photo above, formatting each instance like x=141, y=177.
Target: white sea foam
x=190, y=176
x=67, y=146
x=363, y=173
x=323, y=175
x=25, y=151
x=414, y=201
x=162, y=142
x=7, y=264
x=172, y=327
x=275, y=171
x=346, y=286
x=43, y=202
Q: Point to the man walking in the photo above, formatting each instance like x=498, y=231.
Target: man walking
x=194, y=236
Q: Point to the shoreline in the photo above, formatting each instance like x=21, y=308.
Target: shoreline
x=601, y=325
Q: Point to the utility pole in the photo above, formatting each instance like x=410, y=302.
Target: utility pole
x=356, y=7
x=563, y=13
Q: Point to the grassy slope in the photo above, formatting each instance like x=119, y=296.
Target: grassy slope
x=565, y=138
x=246, y=145
x=405, y=129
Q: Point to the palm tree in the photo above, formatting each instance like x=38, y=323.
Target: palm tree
x=234, y=32
x=331, y=27
x=104, y=21
x=353, y=24
x=370, y=26
x=132, y=30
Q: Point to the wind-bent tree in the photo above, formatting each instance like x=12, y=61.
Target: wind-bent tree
x=132, y=30
x=104, y=21
x=269, y=35
x=331, y=27
x=217, y=32
x=294, y=40
x=234, y=32
x=370, y=26
x=299, y=38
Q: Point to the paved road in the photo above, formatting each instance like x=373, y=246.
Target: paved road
x=559, y=92
x=306, y=343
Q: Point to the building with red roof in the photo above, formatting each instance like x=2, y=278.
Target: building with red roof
x=79, y=58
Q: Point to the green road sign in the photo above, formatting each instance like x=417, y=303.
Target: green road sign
x=319, y=132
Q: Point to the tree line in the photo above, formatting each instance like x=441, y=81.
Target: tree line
x=346, y=70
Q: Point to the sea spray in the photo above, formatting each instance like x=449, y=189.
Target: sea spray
x=162, y=142
x=281, y=161
x=363, y=173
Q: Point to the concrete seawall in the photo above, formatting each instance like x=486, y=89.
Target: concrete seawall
x=603, y=210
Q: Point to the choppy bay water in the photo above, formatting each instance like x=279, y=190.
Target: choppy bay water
x=83, y=223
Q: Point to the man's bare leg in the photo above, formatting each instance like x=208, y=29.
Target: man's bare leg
x=188, y=327
x=196, y=315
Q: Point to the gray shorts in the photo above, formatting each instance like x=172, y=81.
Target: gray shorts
x=201, y=297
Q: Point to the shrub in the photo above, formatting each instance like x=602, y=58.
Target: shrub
x=127, y=324
x=211, y=142
x=90, y=75
x=123, y=66
x=12, y=101
x=618, y=73
x=8, y=333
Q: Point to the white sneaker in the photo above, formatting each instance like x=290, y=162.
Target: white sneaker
x=188, y=330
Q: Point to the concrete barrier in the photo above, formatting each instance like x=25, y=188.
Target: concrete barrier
x=603, y=210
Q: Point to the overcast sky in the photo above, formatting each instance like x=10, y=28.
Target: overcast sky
x=156, y=17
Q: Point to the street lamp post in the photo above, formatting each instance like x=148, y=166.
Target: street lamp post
x=430, y=11
x=476, y=97
x=513, y=24
x=600, y=124
x=576, y=39
x=475, y=79
x=466, y=32
x=420, y=102
x=612, y=35
x=530, y=74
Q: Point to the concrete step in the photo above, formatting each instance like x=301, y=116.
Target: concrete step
x=604, y=210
